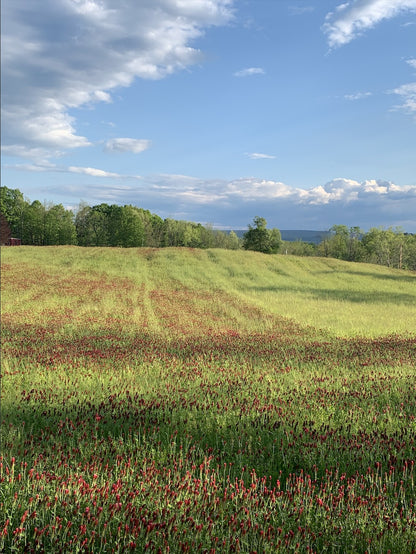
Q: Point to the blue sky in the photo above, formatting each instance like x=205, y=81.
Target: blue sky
x=215, y=111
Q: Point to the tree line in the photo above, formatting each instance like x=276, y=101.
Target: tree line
x=389, y=247
x=46, y=224
x=37, y=223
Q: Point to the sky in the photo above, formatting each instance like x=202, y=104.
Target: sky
x=215, y=111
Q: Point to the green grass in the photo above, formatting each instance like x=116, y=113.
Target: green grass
x=185, y=400
x=345, y=299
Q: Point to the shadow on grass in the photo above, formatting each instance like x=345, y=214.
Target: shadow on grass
x=184, y=429
x=397, y=277
x=344, y=295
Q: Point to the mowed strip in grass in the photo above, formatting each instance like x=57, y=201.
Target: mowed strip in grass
x=180, y=400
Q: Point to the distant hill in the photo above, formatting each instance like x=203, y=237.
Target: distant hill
x=293, y=235
x=306, y=236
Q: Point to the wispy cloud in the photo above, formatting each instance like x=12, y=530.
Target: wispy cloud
x=353, y=18
x=48, y=167
x=93, y=172
x=249, y=71
x=357, y=96
x=259, y=156
x=408, y=95
x=127, y=145
x=53, y=62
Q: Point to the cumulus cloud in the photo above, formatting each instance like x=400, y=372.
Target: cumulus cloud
x=127, y=145
x=353, y=18
x=249, y=71
x=370, y=203
x=259, y=156
x=187, y=194
x=52, y=61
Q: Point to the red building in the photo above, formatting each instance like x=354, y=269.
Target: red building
x=6, y=238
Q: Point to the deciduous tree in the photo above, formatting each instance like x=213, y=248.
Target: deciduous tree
x=260, y=238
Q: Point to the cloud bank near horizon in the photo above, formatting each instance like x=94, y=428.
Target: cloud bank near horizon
x=234, y=203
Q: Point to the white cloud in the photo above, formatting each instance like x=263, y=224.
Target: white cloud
x=377, y=187
x=249, y=71
x=32, y=153
x=337, y=190
x=351, y=19
x=370, y=203
x=408, y=95
x=37, y=168
x=250, y=190
x=127, y=145
x=92, y=171
x=259, y=156
x=52, y=60
x=357, y=96
x=48, y=167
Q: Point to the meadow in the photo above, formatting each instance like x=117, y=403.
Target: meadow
x=212, y=401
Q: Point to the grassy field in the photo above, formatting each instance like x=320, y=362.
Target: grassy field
x=180, y=400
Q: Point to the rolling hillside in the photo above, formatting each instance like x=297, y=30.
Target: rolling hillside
x=178, y=400
x=340, y=297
